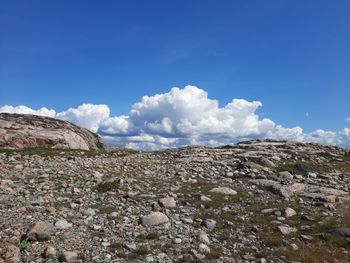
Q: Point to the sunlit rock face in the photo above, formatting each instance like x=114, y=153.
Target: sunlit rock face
x=19, y=131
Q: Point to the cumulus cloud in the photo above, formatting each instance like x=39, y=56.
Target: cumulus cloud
x=87, y=115
x=189, y=112
x=25, y=110
x=184, y=117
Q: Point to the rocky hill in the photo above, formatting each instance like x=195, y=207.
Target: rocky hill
x=258, y=201
x=27, y=131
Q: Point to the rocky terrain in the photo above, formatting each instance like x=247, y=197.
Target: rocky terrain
x=24, y=130
x=258, y=201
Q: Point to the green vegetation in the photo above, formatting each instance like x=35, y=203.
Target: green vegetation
x=263, y=220
x=302, y=168
x=148, y=236
x=41, y=151
x=106, y=209
x=107, y=187
x=188, y=259
x=23, y=245
x=320, y=251
x=324, y=247
x=272, y=239
x=140, y=251
x=31, y=151
x=213, y=254
x=347, y=156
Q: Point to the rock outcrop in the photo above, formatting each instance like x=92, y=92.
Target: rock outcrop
x=18, y=131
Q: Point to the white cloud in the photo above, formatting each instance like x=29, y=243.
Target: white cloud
x=114, y=125
x=188, y=112
x=25, y=110
x=347, y=119
x=183, y=117
x=89, y=116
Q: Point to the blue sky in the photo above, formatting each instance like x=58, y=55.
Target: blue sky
x=293, y=56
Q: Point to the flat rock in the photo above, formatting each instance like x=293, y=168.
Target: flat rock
x=223, y=190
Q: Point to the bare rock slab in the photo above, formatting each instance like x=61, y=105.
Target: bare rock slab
x=18, y=131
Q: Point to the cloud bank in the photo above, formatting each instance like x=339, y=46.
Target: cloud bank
x=183, y=117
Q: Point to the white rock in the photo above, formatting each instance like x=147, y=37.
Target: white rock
x=223, y=190
x=153, y=219
x=167, y=202
x=89, y=212
x=294, y=246
x=177, y=240
x=203, y=248
x=203, y=237
x=286, y=230
x=289, y=212
x=130, y=246
x=69, y=257
x=286, y=175
x=63, y=224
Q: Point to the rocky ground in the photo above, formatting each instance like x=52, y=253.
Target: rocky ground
x=258, y=201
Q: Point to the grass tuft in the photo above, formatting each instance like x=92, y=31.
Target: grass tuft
x=23, y=246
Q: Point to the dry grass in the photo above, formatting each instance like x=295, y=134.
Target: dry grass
x=319, y=252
